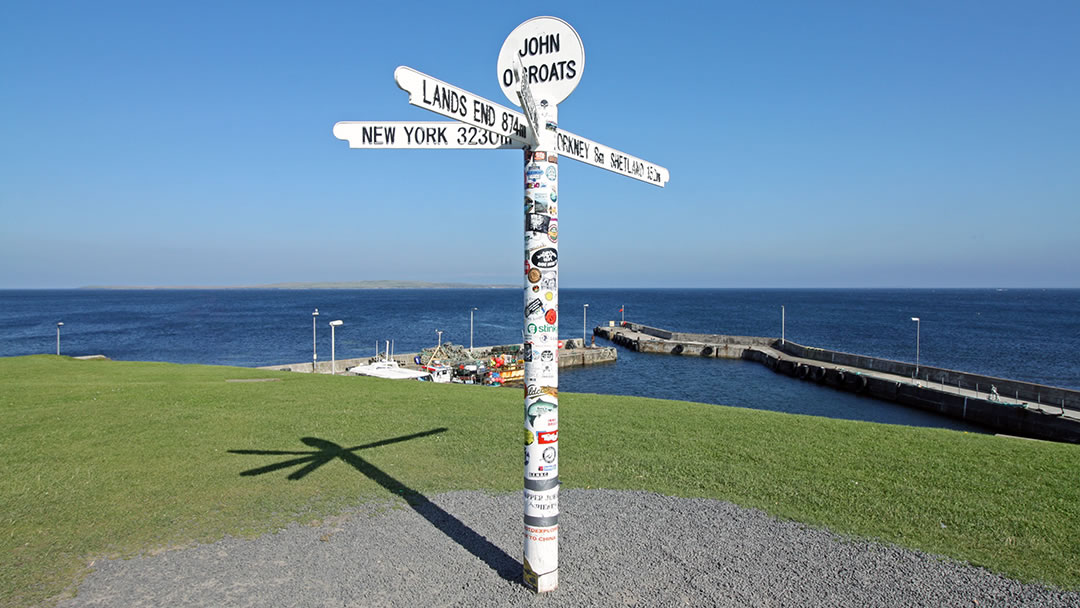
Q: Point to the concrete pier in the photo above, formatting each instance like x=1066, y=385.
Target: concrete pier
x=1006, y=406
x=645, y=339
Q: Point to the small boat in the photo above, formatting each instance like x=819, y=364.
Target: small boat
x=439, y=373
x=388, y=368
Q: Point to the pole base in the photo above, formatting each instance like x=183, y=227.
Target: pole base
x=541, y=583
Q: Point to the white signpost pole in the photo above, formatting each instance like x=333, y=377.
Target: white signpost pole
x=539, y=65
x=541, y=550
x=547, y=43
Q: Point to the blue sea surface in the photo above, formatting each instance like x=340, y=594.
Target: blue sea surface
x=1022, y=334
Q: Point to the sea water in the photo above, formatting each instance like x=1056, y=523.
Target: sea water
x=1030, y=335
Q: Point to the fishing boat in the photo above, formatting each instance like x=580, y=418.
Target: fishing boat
x=438, y=372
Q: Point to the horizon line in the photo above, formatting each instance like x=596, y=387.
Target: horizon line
x=344, y=286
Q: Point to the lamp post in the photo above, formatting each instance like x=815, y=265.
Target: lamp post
x=622, y=311
x=439, y=331
x=917, y=323
x=333, y=355
x=584, y=324
x=58, y=326
x=314, y=350
x=471, y=311
x=783, y=322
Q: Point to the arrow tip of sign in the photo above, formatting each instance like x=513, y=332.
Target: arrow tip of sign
x=400, y=73
x=339, y=130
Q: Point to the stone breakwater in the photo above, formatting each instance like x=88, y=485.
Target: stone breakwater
x=1002, y=405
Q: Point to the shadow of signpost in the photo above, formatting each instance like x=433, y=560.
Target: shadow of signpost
x=326, y=451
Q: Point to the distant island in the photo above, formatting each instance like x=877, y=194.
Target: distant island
x=327, y=285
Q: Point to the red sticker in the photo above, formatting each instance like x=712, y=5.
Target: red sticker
x=550, y=316
x=548, y=436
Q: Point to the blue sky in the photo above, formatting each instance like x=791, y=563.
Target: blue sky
x=810, y=144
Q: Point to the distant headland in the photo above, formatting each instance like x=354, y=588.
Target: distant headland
x=316, y=285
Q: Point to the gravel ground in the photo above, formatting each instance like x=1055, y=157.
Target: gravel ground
x=617, y=549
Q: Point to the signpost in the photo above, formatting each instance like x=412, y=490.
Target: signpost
x=539, y=65
x=434, y=135
x=599, y=155
x=550, y=51
x=541, y=346
x=526, y=101
x=456, y=103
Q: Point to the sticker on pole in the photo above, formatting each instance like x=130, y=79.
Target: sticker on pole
x=551, y=54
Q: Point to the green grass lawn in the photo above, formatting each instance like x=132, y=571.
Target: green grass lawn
x=108, y=458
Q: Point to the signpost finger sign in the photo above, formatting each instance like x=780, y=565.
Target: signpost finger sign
x=457, y=103
x=434, y=135
x=539, y=65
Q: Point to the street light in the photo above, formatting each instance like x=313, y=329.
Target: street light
x=314, y=350
x=782, y=324
x=58, y=326
x=333, y=355
x=584, y=324
x=471, y=311
x=916, y=320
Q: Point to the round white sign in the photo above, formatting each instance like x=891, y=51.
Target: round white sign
x=550, y=52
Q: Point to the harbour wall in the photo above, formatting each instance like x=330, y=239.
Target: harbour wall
x=1018, y=408
x=1009, y=389
x=679, y=343
x=322, y=367
x=573, y=354
x=702, y=338
x=962, y=403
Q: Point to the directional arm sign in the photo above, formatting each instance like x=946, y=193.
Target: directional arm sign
x=434, y=135
x=599, y=155
x=453, y=102
x=456, y=103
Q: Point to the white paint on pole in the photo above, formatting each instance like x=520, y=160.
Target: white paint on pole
x=457, y=103
x=599, y=155
x=429, y=135
x=552, y=55
x=541, y=354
